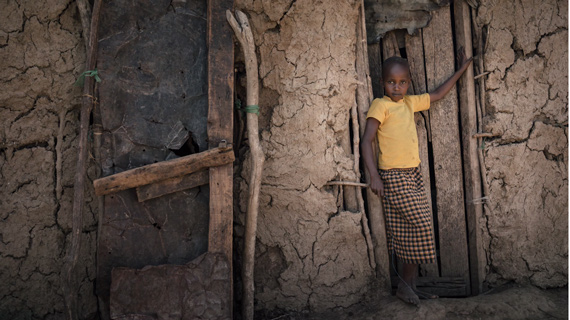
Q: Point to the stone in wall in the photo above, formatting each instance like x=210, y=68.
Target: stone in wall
x=41, y=54
x=315, y=253
x=527, y=106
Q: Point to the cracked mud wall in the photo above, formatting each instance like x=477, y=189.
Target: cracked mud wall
x=527, y=164
x=311, y=254
x=41, y=54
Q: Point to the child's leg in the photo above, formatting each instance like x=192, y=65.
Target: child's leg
x=420, y=294
x=405, y=287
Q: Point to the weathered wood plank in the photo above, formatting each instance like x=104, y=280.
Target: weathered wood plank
x=439, y=62
x=415, y=56
x=375, y=67
x=172, y=185
x=441, y=286
x=220, y=121
x=220, y=127
x=374, y=205
x=390, y=46
x=163, y=170
x=472, y=177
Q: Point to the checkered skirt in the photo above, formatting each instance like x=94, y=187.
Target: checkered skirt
x=408, y=216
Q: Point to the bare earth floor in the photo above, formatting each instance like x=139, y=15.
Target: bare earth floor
x=507, y=302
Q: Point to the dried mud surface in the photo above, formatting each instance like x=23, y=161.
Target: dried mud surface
x=314, y=251
x=506, y=302
x=527, y=165
x=41, y=54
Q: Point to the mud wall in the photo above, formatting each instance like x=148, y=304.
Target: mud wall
x=527, y=165
x=310, y=253
x=41, y=53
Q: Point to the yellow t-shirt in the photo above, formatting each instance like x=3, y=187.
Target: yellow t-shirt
x=397, y=134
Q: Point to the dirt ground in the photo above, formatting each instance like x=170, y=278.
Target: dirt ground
x=507, y=302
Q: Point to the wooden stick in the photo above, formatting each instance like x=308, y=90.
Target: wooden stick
x=84, y=9
x=245, y=37
x=172, y=185
x=480, y=63
x=362, y=70
x=375, y=211
x=481, y=75
x=69, y=283
x=347, y=183
x=485, y=135
x=164, y=170
x=468, y=117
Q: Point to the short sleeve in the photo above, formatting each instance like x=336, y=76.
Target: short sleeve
x=377, y=110
x=420, y=102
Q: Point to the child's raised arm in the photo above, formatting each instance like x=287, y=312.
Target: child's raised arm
x=444, y=88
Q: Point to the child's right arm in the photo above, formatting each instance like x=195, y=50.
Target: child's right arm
x=370, y=130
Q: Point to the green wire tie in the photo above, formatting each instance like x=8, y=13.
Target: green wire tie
x=252, y=109
x=248, y=109
x=89, y=73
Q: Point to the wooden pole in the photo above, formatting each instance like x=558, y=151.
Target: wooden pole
x=245, y=38
x=164, y=170
x=69, y=283
x=84, y=9
x=468, y=117
x=361, y=207
x=363, y=99
x=220, y=128
x=347, y=183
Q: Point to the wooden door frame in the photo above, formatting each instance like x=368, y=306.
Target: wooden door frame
x=471, y=183
x=220, y=128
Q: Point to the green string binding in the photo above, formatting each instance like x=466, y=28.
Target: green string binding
x=89, y=73
x=248, y=109
x=252, y=109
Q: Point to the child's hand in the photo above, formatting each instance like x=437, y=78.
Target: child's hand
x=377, y=185
x=462, y=60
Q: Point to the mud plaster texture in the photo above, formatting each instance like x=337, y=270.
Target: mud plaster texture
x=310, y=254
x=527, y=165
x=41, y=54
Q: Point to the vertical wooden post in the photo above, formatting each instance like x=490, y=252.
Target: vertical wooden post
x=375, y=211
x=220, y=127
x=468, y=116
x=375, y=61
x=439, y=62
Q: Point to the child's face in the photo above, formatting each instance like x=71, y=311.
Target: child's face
x=397, y=82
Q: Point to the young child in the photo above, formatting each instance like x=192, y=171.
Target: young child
x=399, y=180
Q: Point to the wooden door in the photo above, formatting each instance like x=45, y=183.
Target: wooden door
x=431, y=55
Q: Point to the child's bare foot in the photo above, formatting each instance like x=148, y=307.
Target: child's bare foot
x=406, y=294
x=425, y=295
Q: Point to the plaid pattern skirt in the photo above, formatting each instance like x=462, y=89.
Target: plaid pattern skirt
x=408, y=216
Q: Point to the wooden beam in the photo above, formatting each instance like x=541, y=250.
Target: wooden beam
x=164, y=170
x=220, y=127
x=375, y=64
x=172, y=185
x=390, y=46
x=468, y=114
x=439, y=62
x=374, y=205
x=415, y=56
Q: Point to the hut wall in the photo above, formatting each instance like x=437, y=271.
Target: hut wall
x=527, y=165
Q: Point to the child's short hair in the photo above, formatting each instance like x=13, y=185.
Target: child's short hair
x=392, y=61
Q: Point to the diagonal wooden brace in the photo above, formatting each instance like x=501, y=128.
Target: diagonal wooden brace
x=164, y=170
